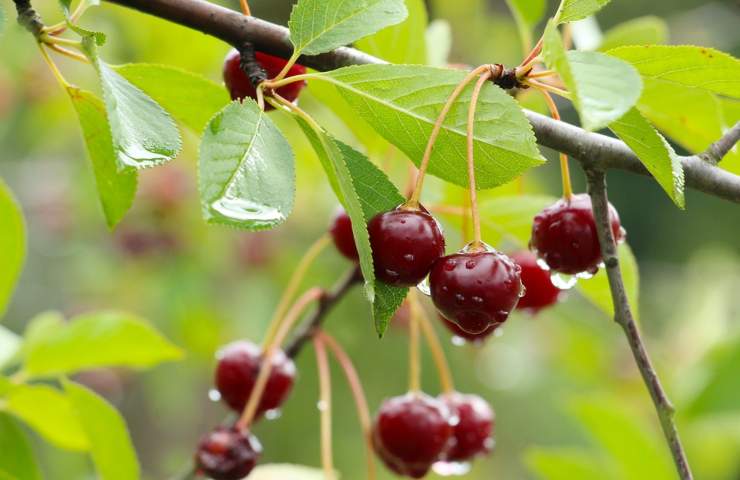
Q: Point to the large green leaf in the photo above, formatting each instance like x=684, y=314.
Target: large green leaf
x=527, y=14
x=439, y=43
x=111, y=449
x=318, y=26
x=648, y=30
x=401, y=43
x=402, y=103
x=10, y=345
x=597, y=290
x=510, y=217
x=17, y=460
x=12, y=244
x=175, y=90
x=572, y=10
x=286, y=472
x=246, y=169
x=654, y=152
x=568, y=464
x=92, y=341
x=116, y=189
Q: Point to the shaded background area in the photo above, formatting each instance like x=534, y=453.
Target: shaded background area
x=563, y=383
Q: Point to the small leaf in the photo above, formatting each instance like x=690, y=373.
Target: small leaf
x=597, y=290
x=654, y=152
x=572, y=10
x=246, y=169
x=12, y=244
x=17, y=460
x=318, y=26
x=648, y=30
x=401, y=43
x=567, y=464
x=116, y=189
x=98, y=37
x=10, y=345
x=286, y=472
x=527, y=14
x=111, y=449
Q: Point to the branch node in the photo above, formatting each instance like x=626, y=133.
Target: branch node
x=250, y=66
x=28, y=18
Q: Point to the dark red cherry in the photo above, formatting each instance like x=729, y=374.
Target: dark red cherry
x=405, y=244
x=240, y=86
x=238, y=366
x=411, y=432
x=467, y=336
x=540, y=292
x=476, y=289
x=473, y=433
x=564, y=235
x=341, y=233
x=227, y=454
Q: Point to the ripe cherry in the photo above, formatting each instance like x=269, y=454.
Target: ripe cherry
x=464, y=336
x=240, y=86
x=475, y=289
x=341, y=233
x=405, y=244
x=473, y=432
x=540, y=292
x=227, y=453
x=238, y=367
x=411, y=432
x=564, y=235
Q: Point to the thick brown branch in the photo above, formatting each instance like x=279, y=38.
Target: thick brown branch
x=722, y=147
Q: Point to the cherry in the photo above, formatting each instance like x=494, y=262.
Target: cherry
x=540, y=292
x=467, y=336
x=475, y=289
x=238, y=367
x=405, y=244
x=473, y=432
x=411, y=432
x=341, y=233
x=240, y=86
x=564, y=235
x=227, y=453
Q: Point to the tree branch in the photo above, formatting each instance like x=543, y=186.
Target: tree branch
x=722, y=147
x=623, y=316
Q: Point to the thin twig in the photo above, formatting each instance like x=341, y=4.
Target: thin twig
x=322, y=365
x=722, y=147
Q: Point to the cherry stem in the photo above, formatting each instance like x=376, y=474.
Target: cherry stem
x=547, y=87
x=324, y=406
x=564, y=168
x=414, y=361
x=245, y=8
x=68, y=53
x=532, y=56
x=355, y=385
x=438, y=354
x=275, y=83
x=292, y=316
x=541, y=74
x=53, y=67
x=471, y=160
x=291, y=61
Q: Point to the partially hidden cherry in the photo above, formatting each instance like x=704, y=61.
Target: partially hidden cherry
x=475, y=289
x=405, y=244
x=474, y=338
x=540, y=291
x=227, y=453
x=411, y=432
x=564, y=235
x=239, y=364
x=473, y=432
x=341, y=234
x=240, y=86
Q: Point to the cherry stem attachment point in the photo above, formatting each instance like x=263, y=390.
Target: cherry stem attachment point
x=532, y=55
x=564, y=168
x=414, y=360
x=471, y=160
x=245, y=8
x=322, y=363
x=291, y=61
x=438, y=355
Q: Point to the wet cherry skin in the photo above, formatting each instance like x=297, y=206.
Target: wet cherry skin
x=405, y=244
x=341, y=234
x=473, y=433
x=238, y=367
x=540, y=292
x=227, y=453
x=238, y=83
x=474, y=338
x=564, y=235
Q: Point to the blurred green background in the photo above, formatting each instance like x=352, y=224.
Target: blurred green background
x=569, y=401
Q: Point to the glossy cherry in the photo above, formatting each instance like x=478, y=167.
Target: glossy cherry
x=475, y=289
x=540, y=291
x=473, y=433
x=564, y=235
x=341, y=234
x=227, y=453
x=405, y=243
x=240, y=87
x=468, y=337
x=411, y=432
x=238, y=367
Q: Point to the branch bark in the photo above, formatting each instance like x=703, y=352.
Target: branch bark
x=722, y=147
x=623, y=316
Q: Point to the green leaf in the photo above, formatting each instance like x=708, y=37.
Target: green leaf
x=98, y=37
x=401, y=43
x=116, y=189
x=597, y=291
x=2, y=19
x=286, y=472
x=110, y=444
x=439, y=43
x=567, y=464
x=318, y=26
x=143, y=134
x=572, y=10
x=527, y=14
x=403, y=102
x=719, y=393
x=601, y=89
x=654, y=152
x=648, y=30
x=12, y=244
x=92, y=341
x=246, y=169
x=50, y=413
x=510, y=217
x=174, y=89
x=10, y=345
x=17, y=460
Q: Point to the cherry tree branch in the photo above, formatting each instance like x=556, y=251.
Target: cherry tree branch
x=722, y=147
x=623, y=316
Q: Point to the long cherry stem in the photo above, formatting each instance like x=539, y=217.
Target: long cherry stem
x=327, y=462
x=564, y=168
x=414, y=360
x=440, y=361
x=245, y=8
x=530, y=58
x=471, y=160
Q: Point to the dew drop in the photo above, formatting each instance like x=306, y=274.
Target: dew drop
x=450, y=266
x=563, y=281
x=408, y=257
x=391, y=273
x=448, y=469
x=273, y=414
x=601, y=265
x=459, y=298
x=477, y=300
x=587, y=275
x=522, y=290
x=322, y=406
x=543, y=264
x=499, y=332
x=214, y=395
x=424, y=288
x=458, y=341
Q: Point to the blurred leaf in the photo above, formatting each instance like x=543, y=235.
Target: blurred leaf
x=571, y=10
x=318, y=26
x=402, y=103
x=50, y=413
x=110, y=444
x=720, y=393
x=175, y=90
x=730, y=115
x=116, y=189
x=527, y=14
x=17, y=460
x=92, y=341
x=597, y=291
x=648, y=30
x=10, y=345
x=567, y=464
x=439, y=43
x=144, y=135
x=401, y=43
x=246, y=169
x=12, y=244
x=654, y=152
x=510, y=217
x=2, y=19
x=286, y=472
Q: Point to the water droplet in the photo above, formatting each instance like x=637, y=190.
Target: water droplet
x=522, y=290
x=424, y=288
x=391, y=273
x=477, y=300
x=408, y=257
x=575, y=245
x=241, y=209
x=322, y=406
x=214, y=395
x=499, y=332
x=601, y=265
x=458, y=341
x=563, y=280
x=585, y=275
x=459, y=298
x=470, y=264
x=273, y=414
x=447, y=469
x=543, y=264
x=450, y=265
